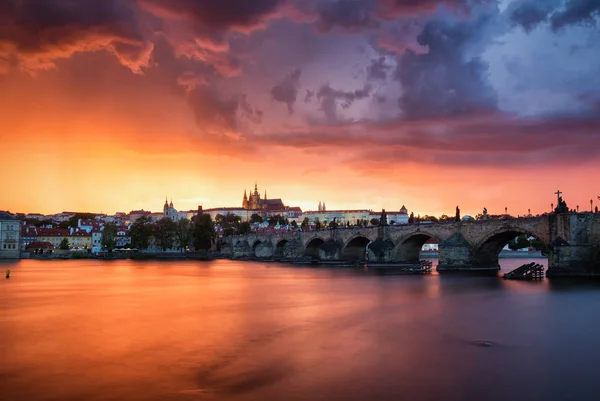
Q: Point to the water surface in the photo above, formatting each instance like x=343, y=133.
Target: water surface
x=225, y=330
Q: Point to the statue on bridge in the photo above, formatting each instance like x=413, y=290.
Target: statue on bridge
x=562, y=206
x=457, y=217
x=383, y=218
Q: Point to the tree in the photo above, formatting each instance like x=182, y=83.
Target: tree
x=519, y=243
x=203, y=232
x=140, y=233
x=164, y=233
x=109, y=237
x=183, y=233
x=256, y=218
x=64, y=244
x=278, y=219
x=374, y=222
x=244, y=228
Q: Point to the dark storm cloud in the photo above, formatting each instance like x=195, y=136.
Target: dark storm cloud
x=576, y=12
x=451, y=78
x=287, y=90
x=350, y=15
x=36, y=32
x=216, y=14
x=395, y=8
x=378, y=69
x=220, y=115
x=530, y=13
x=329, y=98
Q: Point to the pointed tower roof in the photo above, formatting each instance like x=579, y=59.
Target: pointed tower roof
x=403, y=210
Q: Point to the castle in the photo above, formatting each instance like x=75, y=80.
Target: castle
x=254, y=202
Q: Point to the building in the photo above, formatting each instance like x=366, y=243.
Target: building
x=10, y=234
x=262, y=206
x=245, y=214
x=342, y=217
x=28, y=235
x=400, y=217
x=169, y=211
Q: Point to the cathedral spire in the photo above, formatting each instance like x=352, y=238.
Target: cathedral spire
x=265, y=194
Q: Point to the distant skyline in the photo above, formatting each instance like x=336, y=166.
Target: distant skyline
x=111, y=106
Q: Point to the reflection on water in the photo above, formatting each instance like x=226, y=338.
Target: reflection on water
x=224, y=330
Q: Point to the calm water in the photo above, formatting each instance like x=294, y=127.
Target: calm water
x=88, y=330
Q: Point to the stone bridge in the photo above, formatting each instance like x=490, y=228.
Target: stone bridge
x=573, y=240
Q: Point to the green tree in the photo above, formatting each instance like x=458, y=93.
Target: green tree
x=183, y=234
x=256, y=218
x=164, y=233
x=203, y=232
x=109, y=237
x=140, y=233
x=64, y=244
x=519, y=243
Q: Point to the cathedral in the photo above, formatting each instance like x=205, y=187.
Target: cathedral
x=254, y=202
x=169, y=211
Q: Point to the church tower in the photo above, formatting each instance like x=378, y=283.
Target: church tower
x=245, y=200
x=320, y=208
x=166, y=208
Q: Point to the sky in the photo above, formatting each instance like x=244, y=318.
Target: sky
x=114, y=105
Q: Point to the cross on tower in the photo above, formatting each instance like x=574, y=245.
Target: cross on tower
x=558, y=193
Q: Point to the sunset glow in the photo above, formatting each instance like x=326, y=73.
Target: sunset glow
x=114, y=105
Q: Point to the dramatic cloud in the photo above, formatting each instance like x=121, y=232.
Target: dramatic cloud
x=350, y=15
x=451, y=78
x=216, y=15
x=38, y=32
x=378, y=69
x=390, y=91
x=529, y=13
x=329, y=99
x=287, y=90
x=576, y=12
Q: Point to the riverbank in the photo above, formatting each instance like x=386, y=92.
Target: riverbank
x=121, y=256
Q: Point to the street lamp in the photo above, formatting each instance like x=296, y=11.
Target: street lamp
x=551, y=207
x=528, y=212
x=505, y=210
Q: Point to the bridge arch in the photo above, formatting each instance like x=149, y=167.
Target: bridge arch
x=355, y=248
x=279, y=248
x=255, y=245
x=487, y=250
x=312, y=247
x=408, y=249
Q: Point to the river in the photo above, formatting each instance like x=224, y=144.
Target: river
x=227, y=330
